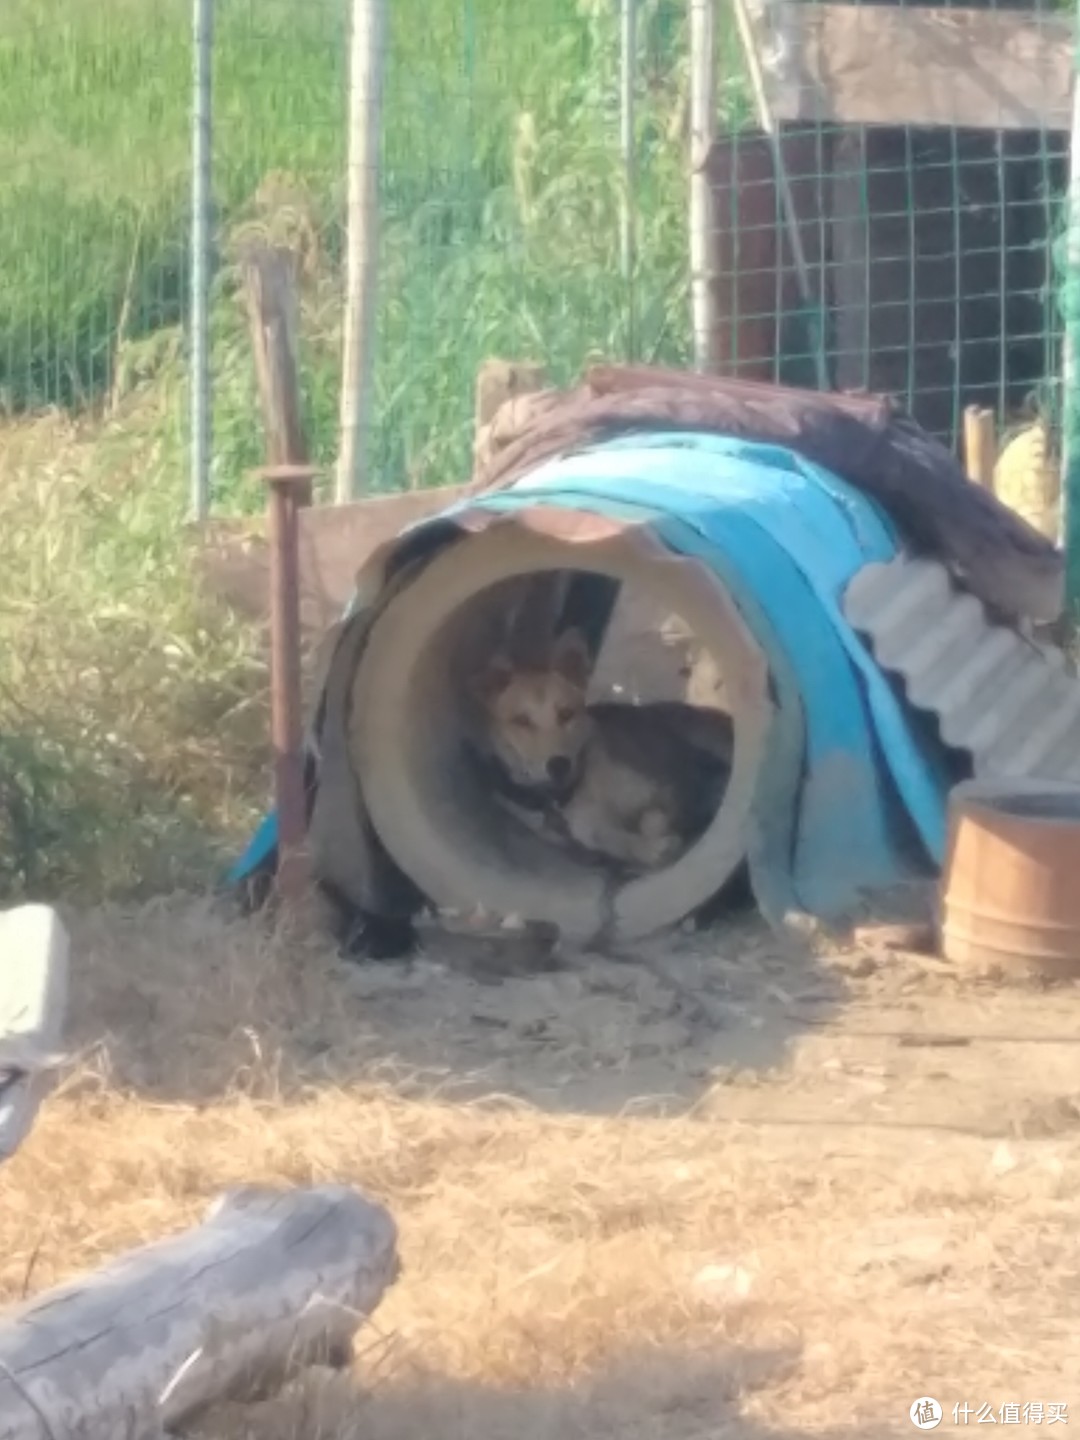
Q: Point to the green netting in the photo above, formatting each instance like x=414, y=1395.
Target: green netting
x=926, y=246
x=501, y=189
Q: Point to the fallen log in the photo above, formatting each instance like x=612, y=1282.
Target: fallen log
x=33, y=1000
x=271, y=1282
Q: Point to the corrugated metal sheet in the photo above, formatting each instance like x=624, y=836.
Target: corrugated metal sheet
x=1011, y=703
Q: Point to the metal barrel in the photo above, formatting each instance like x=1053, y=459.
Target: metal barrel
x=1010, y=897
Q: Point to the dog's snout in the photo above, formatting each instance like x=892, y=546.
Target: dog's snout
x=558, y=769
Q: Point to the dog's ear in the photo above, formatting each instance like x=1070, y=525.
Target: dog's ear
x=492, y=680
x=570, y=658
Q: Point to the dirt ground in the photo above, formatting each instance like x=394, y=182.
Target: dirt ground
x=721, y=1187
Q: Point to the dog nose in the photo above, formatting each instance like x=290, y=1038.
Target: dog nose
x=558, y=769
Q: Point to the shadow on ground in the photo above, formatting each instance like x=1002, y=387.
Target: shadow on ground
x=184, y=1003
x=655, y=1393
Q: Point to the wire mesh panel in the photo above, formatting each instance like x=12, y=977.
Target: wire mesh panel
x=93, y=191
x=886, y=188
x=917, y=157
x=500, y=194
x=501, y=186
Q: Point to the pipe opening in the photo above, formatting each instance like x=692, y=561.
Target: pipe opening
x=526, y=737
x=464, y=817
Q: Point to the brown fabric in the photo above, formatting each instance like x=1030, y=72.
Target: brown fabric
x=865, y=440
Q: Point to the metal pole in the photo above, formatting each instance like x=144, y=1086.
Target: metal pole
x=270, y=285
x=1070, y=399
x=702, y=218
x=289, y=488
x=807, y=294
x=201, y=201
x=629, y=159
x=362, y=242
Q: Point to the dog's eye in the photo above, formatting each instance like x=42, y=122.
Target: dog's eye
x=564, y=714
x=523, y=722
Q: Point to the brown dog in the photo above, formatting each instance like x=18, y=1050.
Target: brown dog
x=634, y=783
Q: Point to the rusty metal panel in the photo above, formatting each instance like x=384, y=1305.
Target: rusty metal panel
x=744, y=259
x=1009, y=702
x=752, y=267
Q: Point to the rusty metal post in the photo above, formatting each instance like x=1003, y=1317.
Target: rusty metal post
x=289, y=489
x=272, y=309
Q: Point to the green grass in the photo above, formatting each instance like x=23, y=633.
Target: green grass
x=500, y=194
x=133, y=731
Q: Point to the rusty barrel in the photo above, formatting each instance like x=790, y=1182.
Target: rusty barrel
x=1010, y=895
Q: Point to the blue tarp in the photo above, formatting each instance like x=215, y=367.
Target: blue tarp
x=863, y=805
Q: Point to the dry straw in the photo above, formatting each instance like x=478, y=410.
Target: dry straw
x=807, y=1269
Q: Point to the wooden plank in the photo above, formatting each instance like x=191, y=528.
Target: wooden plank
x=980, y=445
x=33, y=1005
x=883, y=65
x=271, y=1282
x=272, y=305
x=335, y=542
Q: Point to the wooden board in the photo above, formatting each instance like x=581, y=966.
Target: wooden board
x=335, y=541
x=881, y=65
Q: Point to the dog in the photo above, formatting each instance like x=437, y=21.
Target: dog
x=634, y=784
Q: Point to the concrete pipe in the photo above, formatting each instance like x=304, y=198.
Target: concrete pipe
x=409, y=719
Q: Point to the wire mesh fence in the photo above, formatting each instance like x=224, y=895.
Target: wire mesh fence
x=501, y=187
x=917, y=158
x=885, y=192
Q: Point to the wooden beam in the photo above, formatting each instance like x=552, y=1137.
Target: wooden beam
x=980, y=445
x=33, y=1003
x=271, y=1282
x=335, y=542
x=883, y=65
x=272, y=305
